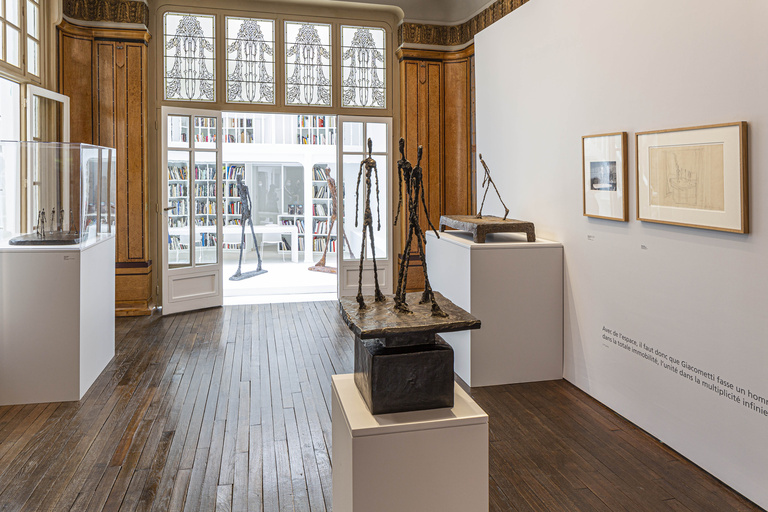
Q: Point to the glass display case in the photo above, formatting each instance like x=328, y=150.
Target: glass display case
x=66, y=194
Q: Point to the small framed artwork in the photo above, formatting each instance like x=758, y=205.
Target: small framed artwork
x=604, y=160
x=695, y=177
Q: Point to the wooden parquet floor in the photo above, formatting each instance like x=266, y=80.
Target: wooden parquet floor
x=229, y=409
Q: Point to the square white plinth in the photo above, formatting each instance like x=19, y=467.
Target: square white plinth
x=515, y=288
x=57, y=320
x=408, y=461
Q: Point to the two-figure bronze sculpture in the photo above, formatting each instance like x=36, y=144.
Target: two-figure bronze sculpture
x=320, y=266
x=413, y=179
x=245, y=216
x=487, y=182
x=370, y=168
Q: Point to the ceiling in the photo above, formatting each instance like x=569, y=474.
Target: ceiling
x=435, y=11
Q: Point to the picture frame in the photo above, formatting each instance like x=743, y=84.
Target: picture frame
x=605, y=176
x=694, y=177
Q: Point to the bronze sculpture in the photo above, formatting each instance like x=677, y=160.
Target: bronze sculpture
x=370, y=167
x=413, y=179
x=320, y=265
x=245, y=216
x=487, y=181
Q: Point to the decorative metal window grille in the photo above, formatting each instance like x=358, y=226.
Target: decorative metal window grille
x=250, y=60
x=363, y=60
x=307, y=64
x=189, y=53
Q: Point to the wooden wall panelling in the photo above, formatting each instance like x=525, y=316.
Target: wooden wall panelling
x=458, y=188
x=436, y=113
x=76, y=81
x=113, y=100
x=133, y=275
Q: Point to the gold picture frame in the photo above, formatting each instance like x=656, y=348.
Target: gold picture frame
x=605, y=176
x=694, y=177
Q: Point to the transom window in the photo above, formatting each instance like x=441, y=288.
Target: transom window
x=363, y=54
x=190, y=47
x=307, y=64
x=306, y=73
x=250, y=60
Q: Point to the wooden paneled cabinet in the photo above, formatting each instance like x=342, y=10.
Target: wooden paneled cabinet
x=437, y=112
x=104, y=72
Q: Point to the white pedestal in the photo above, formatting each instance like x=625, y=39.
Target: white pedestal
x=57, y=320
x=515, y=288
x=408, y=461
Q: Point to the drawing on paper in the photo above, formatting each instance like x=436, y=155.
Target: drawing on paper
x=687, y=177
x=602, y=175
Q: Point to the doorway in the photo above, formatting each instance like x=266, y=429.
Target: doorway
x=282, y=160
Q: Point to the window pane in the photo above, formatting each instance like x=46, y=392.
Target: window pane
x=206, y=243
x=10, y=129
x=33, y=21
x=189, y=57
x=363, y=63
x=12, y=45
x=178, y=131
x=33, y=65
x=250, y=60
x=307, y=64
x=12, y=11
x=179, y=248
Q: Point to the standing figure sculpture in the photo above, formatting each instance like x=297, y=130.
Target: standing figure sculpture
x=370, y=167
x=320, y=265
x=487, y=181
x=245, y=216
x=412, y=178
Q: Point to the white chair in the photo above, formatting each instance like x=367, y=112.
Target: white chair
x=274, y=238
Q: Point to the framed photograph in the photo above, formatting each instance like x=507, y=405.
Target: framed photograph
x=604, y=160
x=695, y=177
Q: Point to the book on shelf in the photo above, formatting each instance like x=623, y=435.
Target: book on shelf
x=318, y=173
x=177, y=190
x=320, y=210
x=177, y=173
x=321, y=227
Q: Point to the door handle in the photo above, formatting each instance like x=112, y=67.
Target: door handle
x=168, y=208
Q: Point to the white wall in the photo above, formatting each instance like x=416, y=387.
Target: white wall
x=555, y=70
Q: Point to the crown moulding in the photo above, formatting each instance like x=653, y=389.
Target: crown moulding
x=115, y=11
x=455, y=35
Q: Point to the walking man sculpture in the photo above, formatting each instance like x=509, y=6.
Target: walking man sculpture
x=245, y=216
x=487, y=181
x=414, y=181
x=370, y=167
x=320, y=265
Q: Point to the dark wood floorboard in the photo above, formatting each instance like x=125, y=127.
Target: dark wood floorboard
x=229, y=409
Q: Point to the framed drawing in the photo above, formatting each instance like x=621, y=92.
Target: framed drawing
x=694, y=177
x=604, y=161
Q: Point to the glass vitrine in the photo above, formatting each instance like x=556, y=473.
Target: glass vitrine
x=69, y=198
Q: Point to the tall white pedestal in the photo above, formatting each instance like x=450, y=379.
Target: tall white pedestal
x=408, y=461
x=515, y=288
x=57, y=320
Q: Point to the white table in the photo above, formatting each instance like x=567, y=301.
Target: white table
x=515, y=288
x=409, y=461
x=236, y=231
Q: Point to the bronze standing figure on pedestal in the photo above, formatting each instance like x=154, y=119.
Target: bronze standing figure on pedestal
x=320, y=265
x=414, y=192
x=370, y=167
x=487, y=181
x=245, y=216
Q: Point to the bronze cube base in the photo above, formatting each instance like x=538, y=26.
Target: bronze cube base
x=404, y=378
